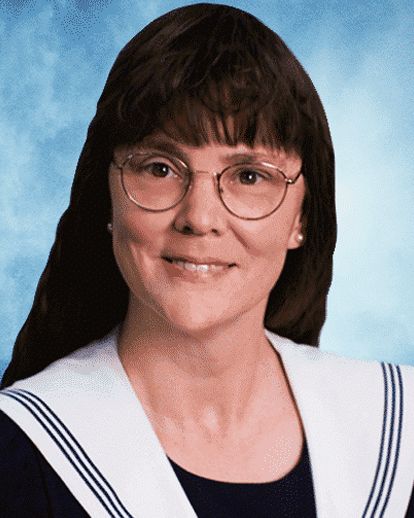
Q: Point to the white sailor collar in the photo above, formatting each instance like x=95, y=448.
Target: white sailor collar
x=83, y=415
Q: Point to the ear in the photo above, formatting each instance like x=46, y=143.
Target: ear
x=297, y=236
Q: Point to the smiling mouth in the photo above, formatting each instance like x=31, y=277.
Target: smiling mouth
x=199, y=266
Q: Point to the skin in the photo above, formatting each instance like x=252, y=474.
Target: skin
x=195, y=350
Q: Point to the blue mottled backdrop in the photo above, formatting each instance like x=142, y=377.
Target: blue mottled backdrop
x=54, y=59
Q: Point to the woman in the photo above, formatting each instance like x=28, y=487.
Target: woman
x=144, y=382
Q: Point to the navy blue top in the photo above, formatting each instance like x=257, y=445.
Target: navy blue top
x=289, y=497
x=29, y=487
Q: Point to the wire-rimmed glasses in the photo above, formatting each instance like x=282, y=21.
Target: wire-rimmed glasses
x=156, y=182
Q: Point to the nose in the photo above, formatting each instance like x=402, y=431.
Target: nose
x=201, y=211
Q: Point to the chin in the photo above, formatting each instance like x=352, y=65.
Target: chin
x=195, y=322
x=196, y=319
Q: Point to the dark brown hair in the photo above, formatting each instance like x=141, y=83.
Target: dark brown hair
x=204, y=72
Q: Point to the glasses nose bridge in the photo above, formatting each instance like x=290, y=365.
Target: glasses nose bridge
x=196, y=172
x=214, y=175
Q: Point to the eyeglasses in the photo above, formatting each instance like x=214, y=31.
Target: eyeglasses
x=158, y=182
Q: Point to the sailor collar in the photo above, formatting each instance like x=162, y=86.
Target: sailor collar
x=84, y=416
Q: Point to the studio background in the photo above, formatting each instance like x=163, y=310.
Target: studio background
x=54, y=60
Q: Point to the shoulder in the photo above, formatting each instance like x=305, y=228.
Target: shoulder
x=341, y=368
x=89, y=365
x=359, y=412
x=349, y=387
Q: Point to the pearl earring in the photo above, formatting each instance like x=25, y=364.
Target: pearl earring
x=300, y=237
x=109, y=227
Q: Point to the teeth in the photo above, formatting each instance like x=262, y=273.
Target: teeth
x=192, y=267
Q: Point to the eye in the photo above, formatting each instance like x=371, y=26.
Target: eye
x=159, y=169
x=250, y=176
x=152, y=167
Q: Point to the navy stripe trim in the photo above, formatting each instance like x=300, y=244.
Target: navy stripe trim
x=381, y=451
x=390, y=441
x=398, y=445
x=392, y=422
x=87, y=470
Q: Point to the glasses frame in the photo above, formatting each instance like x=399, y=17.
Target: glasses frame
x=217, y=176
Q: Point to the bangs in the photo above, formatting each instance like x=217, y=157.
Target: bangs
x=196, y=121
x=214, y=83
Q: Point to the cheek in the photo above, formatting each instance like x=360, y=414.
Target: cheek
x=268, y=239
x=133, y=230
x=126, y=247
x=267, y=246
x=135, y=246
x=138, y=239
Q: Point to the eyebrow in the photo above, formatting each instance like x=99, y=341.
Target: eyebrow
x=162, y=144
x=166, y=145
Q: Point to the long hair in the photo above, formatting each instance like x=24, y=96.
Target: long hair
x=202, y=73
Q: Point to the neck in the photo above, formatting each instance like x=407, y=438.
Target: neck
x=209, y=377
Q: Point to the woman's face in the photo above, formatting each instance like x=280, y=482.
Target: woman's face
x=248, y=254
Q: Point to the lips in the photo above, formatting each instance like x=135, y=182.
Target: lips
x=199, y=264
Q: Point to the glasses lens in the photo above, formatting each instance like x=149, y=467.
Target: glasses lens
x=252, y=191
x=154, y=181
